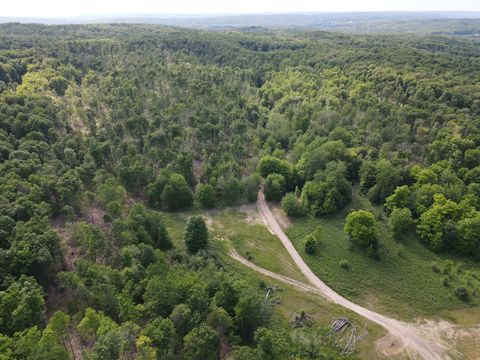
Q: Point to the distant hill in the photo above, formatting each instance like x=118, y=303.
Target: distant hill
x=455, y=23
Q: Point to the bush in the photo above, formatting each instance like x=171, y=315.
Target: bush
x=250, y=186
x=400, y=221
x=292, y=206
x=176, y=193
x=310, y=244
x=114, y=209
x=206, y=195
x=272, y=165
x=230, y=189
x=361, y=228
x=462, y=293
x=344, y=264
x=400, y=251
x=69, y=213
x=274, y=187
x=59, y=84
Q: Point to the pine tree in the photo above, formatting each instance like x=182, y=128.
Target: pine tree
x=196, y=234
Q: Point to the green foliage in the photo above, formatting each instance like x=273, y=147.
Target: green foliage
x=95, y=324
x=230, y=189
x=162, y=334
x=162, y=293
x=55, y=342
x=32, y=250
x=111, y=191
x=91, y=241
x=400, y=221
x=107, y=347
x=468, y=231
x=176, y=194
x=379, y=179
x=329, y=192
x=114, y=209
x=220, y=320
x=274, y=187
x=292, y=206
x=270, y=345
x=21, y=306
x=272, y=165
x=206, y=195
x=462, y=293
x=59, y=84
x=401, y=198
x=201, y=343
x=361, y=228
x=221, y=106
x=155, y=189
x=196, y=234
x=250, y=185
x=243, y=353
x=434, y=223
x=251, y=312
x=181, y=318
x=310, y=244
x=148, y=227
x=318, y=158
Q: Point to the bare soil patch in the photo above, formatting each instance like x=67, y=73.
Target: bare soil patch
x=390, y=346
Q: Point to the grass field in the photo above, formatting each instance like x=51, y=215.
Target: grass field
x=252, y=239
x=322, y=312
x=401, y=282
x=403, y=285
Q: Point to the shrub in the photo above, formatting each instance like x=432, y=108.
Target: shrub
x=360, y=226
x=206, y=195
x=400, y=221
x=344, y=264
x=114, y=209
x=310, y=244
x=250, y=186
x=69, y=213
x=274, y=187
x=292, y=206
x=400, y=251
x=462, y=293
x=176, y=193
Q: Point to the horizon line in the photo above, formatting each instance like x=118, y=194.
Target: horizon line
x=187, y=15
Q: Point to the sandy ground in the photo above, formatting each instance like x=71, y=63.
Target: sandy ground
x=414, y=340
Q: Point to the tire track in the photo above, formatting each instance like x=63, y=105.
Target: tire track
x=416, y=343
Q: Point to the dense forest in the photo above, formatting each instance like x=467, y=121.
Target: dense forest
x=105, y=127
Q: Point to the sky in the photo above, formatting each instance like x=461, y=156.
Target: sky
x=72, y=8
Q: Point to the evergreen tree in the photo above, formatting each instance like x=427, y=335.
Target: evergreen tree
x=196, y=234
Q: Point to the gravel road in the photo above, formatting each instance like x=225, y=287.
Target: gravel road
x=416, y=344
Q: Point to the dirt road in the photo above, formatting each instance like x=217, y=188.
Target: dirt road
x=415, y=343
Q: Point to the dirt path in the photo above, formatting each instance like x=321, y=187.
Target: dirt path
x=415, y=343
x=289, y=281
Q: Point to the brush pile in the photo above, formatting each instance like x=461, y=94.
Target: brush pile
x=346, y=334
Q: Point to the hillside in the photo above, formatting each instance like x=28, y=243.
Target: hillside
x=131, y=157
